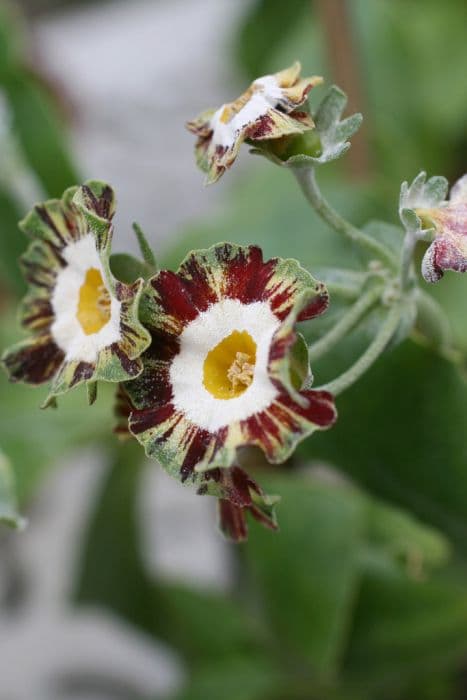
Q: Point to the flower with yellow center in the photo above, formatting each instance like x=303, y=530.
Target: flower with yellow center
x=218, y=374
x=267, y=110
x=84, y=322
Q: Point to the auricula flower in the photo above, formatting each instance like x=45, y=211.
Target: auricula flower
x=448, y=251
x=83, y=322
x=226, y=366
x=267, y=110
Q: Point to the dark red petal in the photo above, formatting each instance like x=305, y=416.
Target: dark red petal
x=246, y=275
x=36, y=362
x=320, y=409
x=232, y=521
x=83, y=372
x=183, y=298
x=142, y=420
x=316, y=307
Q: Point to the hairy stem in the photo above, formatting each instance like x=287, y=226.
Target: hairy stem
x=371, y=354
x=346, y=323
x=408, y=248
x=307, y=181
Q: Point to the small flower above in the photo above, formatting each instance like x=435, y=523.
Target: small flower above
x=225, y=367
x=424, y=207
x=84, y=323
x=267, y=110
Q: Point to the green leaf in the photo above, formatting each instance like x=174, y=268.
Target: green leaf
x=37, y=440
x=127, y=269
x=399, y=536
x=403, y=627
x=308, y=574
x=111, y=569
x=399, y=429
x=182, y=619
x=42, y=138
x=12, y=244
x=237, y=678
x=8, y=507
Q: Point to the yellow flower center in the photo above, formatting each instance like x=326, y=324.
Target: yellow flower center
x=229, y=367
x=94, y=303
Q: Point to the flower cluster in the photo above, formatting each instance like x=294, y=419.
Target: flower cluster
x=206, y=360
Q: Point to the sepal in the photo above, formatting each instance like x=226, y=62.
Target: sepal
x=421, y=194
x=238, y=495
x=328, y=141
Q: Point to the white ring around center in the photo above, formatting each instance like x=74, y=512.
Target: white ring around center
x=202, y=335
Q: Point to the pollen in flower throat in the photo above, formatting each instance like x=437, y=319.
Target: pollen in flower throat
x=94, y=303
x=229, y=367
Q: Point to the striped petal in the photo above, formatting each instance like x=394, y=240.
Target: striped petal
x=33, y=361
x=216, y=294
x=267, y=110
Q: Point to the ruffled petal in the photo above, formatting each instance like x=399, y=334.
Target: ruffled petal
x=34, y=361
x=449, y=249
x=445, y=253
x=56, y=222
x=233, y=272
x=96, y=202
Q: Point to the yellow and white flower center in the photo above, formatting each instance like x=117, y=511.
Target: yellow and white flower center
x=229, y=367
x=87, y=316
x=220, y=374
x=94, y=302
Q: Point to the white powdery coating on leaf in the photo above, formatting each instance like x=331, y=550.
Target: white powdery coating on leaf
x=267, y=95
x=66, y=329
x=202, y=335
x=459, y=191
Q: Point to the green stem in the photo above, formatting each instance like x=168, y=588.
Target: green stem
x=346, y=323
x=307, y=181
x=371, y=354
x=145, y=248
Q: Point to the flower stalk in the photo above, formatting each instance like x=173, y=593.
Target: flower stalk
x=371, y=354
x=346, y=323
x=307, y=180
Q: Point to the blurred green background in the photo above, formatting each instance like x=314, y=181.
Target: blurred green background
x=362, y=595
